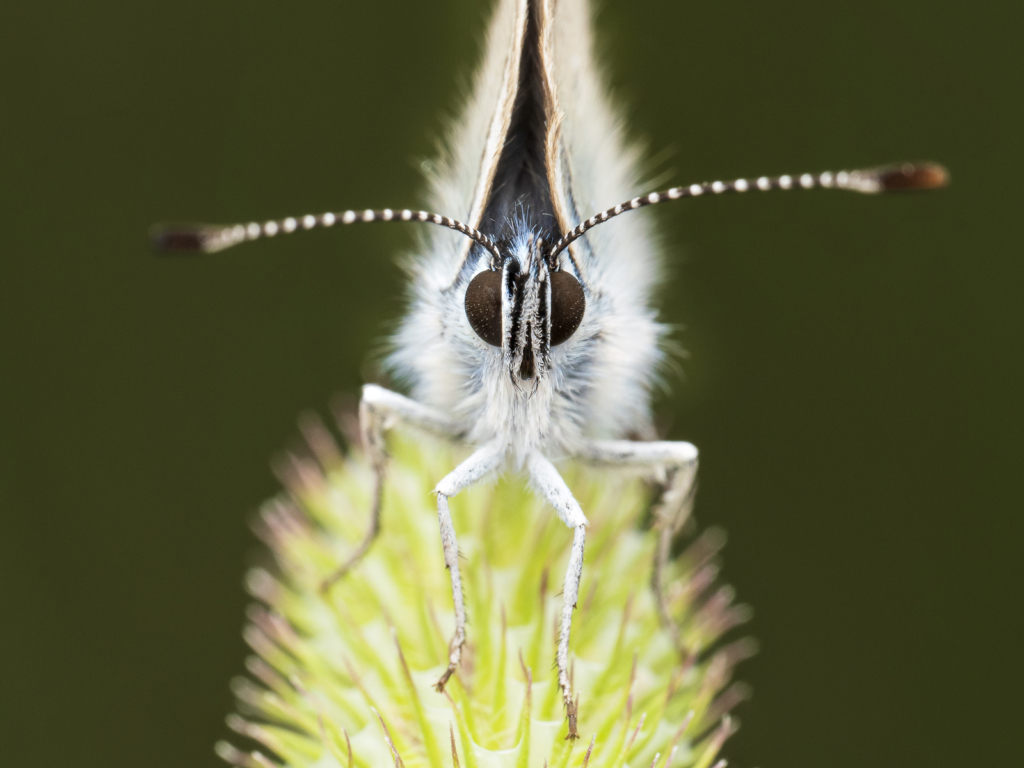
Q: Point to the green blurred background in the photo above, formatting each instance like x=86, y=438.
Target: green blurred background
x=854, y=379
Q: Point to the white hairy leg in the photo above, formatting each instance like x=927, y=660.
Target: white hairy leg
x=483, y=461
x=380, y=409
x=678, y=462
x=552, y=487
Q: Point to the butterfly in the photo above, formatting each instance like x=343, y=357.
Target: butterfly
x=530, y=335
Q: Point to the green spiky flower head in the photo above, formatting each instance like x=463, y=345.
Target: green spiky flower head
x=346, y=679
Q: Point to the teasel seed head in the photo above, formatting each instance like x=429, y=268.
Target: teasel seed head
x=346, y=679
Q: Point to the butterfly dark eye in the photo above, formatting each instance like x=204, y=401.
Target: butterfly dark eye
x=567, y=306
x=483, y=306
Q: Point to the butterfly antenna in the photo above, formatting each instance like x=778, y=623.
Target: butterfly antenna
x=210, y=238
x=870, y=181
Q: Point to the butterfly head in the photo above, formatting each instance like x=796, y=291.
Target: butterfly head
x=525, y=303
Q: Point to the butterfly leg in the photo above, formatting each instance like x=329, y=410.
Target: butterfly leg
x=379, y=410
x=483, y=461
x=676, y=462
x=552, y=487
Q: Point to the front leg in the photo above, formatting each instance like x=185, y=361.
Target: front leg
x=553, y=488
x=483, y=461
x=679, y=461
x=379, y=409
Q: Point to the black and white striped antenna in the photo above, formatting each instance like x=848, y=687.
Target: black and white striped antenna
x=210, y=238
x=870, y=181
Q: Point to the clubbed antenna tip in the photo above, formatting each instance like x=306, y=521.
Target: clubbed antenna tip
x=192, y=239
x=912, y=176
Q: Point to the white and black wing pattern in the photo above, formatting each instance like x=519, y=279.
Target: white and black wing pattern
x=597, y=168
x=465, y=172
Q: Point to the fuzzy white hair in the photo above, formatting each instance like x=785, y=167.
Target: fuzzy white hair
x=600, y=380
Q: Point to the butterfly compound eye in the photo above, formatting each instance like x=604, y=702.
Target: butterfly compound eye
x=567, y=306
x=483, y=306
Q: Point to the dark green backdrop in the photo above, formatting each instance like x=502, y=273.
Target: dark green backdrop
x=854, y=381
